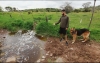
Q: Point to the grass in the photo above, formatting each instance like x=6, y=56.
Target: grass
x=23, y=20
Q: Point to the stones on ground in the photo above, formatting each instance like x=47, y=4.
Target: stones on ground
x=60, y=59
x=66, y=56
x=41, y=48
x=50, y=42
x=11, y=59
x=71, y=48
x=43, y=57
x=47, y=54
x=38, y=60
x=89, y=45
x=2, y=54
x=51, y=54
x=42, y=36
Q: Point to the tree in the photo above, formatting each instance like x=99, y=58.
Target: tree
x=98, y=7
x=77, y=10
x=36, y=10
x=14, y=9
x=29, y=12
x=1, y=9
x=8, y=8
x=86, y=6
x=48, y=9
x=68, y=8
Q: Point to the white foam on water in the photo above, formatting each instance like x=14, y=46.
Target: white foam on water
x=19, y=43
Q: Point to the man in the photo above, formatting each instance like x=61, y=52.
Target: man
x=64, y=24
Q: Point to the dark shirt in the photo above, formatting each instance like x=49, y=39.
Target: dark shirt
x=64, y=21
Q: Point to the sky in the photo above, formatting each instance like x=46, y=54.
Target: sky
x=32, y=4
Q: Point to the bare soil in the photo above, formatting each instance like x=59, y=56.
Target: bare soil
x=77, y=52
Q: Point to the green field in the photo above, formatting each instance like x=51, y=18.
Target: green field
x=23, y=20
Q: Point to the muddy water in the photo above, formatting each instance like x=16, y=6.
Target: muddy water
x=25, y=47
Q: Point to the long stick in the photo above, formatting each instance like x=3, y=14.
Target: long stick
x=92, y=14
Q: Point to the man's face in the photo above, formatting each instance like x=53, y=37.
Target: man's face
x=63, y=12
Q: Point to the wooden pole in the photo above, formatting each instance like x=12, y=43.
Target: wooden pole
x=92, y=14
x=46, y=19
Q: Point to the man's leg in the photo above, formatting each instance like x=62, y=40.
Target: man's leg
x=66, y=39
x=61, y=37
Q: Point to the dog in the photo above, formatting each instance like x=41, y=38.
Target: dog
x=85, y=33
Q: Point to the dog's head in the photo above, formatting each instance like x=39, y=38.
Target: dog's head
x=73, y=31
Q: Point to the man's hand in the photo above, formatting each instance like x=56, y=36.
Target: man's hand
x=54, y=24
x=66, y=28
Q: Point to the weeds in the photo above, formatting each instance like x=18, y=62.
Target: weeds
x=48, y=29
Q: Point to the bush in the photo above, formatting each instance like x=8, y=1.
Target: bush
x=28, y=25
x=77, y=10
x=47, y=29
x=17, y=25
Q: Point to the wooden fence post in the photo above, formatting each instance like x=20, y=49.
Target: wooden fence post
x=92, y=14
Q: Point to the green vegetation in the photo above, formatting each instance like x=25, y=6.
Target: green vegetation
x=13, y=21
x=47, y=29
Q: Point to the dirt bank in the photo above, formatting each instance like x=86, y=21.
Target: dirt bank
x=77, y=52
x=57, y=51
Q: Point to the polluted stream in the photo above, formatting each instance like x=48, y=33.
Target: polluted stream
x=26, y=47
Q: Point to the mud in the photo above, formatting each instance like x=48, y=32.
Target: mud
x=77, y=52
x=56, y=51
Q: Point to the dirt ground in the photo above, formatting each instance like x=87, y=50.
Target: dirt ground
x=77, y=52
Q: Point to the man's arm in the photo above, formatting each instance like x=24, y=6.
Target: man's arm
x=58, y=21
x=67, y=23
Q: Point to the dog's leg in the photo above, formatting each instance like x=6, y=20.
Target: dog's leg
x=86, y=36
x=74, y=38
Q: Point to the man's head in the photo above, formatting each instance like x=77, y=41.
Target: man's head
x=63, y=12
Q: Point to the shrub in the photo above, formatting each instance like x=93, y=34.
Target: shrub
x=17, y=23
x=47, y=29
x=28, y=25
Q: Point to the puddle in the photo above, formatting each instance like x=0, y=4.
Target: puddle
x=25, y=47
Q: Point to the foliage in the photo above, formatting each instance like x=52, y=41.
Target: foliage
x=17, y=25
x=68, y=8
x=77, y=20
x=86, y=6
x=1, y=9
x=43, y=10
x=8, y=8
x=77, y=10
x=47, y=29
